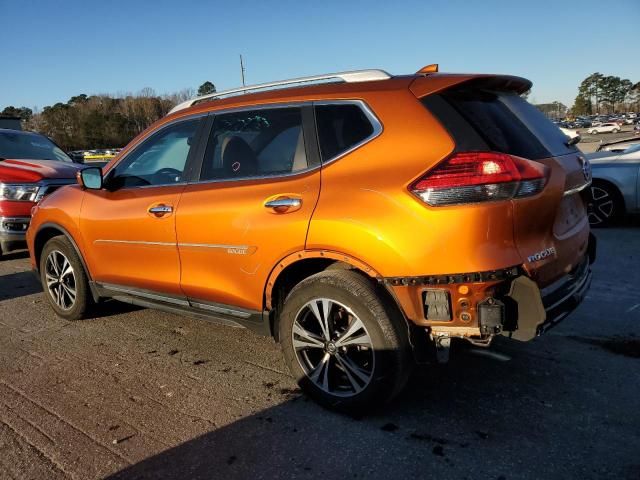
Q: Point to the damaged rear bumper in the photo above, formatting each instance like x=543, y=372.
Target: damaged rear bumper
x=538, y=310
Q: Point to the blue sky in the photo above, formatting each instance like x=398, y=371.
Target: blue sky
x=52, y=50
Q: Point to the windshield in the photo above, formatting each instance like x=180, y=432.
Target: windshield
x=30, y=146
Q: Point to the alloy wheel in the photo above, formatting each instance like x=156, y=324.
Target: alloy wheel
x=61, y=280
x=333, y=347
x=601, y=206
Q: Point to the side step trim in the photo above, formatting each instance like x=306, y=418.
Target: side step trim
x=256, y=321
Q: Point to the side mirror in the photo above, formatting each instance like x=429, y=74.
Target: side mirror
x=90, y=178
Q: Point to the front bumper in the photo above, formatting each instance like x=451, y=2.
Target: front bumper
x=13, y=232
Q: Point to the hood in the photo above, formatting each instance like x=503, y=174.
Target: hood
x=602, y=157
x=32, y=171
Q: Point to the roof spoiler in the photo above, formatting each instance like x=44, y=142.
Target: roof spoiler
x=423, y=86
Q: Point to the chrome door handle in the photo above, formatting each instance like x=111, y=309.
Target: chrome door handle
x=282, y=203
x=161, y=209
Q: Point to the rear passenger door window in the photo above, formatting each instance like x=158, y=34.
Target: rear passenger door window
x=255, y=143
x=341, y=127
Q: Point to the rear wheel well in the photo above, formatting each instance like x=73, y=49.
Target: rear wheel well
x=298, y=271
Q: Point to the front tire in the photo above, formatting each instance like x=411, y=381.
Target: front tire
x=344, y=343
x=604, y=205
x=64, y=280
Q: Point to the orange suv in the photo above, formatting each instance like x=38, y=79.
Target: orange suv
x=361, y=219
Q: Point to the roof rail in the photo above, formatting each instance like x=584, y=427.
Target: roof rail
x=348, y=77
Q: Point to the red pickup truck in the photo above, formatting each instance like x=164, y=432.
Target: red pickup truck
x=31, y=166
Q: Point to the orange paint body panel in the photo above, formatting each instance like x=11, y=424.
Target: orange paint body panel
x=229, y=242
x=131, y=246
x=220, y=244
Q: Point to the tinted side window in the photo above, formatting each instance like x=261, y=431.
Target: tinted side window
x=340, y=127
x=159, y=160
x=261, y=142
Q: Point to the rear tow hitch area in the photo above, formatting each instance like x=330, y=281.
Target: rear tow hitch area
x=491, y=316
x=533, y=311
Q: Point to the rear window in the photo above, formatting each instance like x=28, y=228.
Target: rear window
x=498, y=121
x=341, y=127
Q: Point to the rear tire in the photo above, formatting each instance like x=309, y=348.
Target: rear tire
x=64, y=280
x=344, y=343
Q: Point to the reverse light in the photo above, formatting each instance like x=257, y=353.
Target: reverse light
x=19, y=192
x=473, y=177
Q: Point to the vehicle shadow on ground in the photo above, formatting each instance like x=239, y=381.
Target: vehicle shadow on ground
x=15, y=255
x=110, y=308
x=453, y=421
x=22, y=284
x=19, y=284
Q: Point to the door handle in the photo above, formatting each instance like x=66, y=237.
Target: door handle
x=160, y=210
x=284, y=204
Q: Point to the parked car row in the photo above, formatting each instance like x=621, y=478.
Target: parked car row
x=95, y=155
x=598, y=120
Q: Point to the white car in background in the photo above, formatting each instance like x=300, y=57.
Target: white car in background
x=574, y=135
x=604, y=128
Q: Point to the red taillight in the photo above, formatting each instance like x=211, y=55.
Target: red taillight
x=473, y=177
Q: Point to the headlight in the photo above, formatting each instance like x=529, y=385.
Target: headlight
x=20, y=193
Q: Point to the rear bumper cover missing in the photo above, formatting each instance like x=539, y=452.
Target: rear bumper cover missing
x=538, y=310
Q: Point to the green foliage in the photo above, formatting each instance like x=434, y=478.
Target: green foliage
x=23, y=113
x=581, y=106
x=102, y=121
x=97, y=121
x=206, y=88
x=605, y=94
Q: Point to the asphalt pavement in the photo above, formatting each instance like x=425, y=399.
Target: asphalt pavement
x=138, y=393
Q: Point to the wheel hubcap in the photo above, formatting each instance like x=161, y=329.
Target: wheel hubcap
x=61, y=280
x=333, y=347
x=600, y=207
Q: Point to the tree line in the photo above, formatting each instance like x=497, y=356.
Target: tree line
x=105, y=121
x=600, y=93
x=101, y=121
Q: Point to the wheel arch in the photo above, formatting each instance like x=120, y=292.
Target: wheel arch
x=297, y=266
x=46, y=232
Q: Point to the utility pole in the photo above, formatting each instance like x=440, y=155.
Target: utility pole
x=242, y=70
